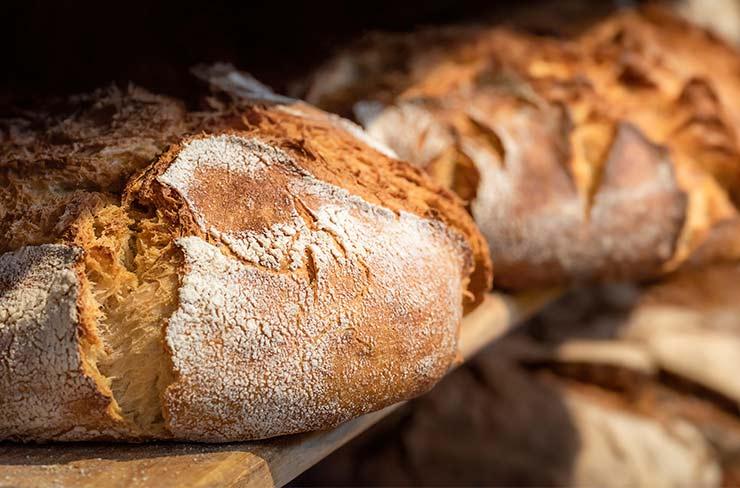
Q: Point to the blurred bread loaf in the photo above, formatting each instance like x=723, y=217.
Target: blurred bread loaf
x=240, y=273
x=619, y=378
x=611, y=154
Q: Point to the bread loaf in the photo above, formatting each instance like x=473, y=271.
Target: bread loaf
x=611, y=155
x=268, y=273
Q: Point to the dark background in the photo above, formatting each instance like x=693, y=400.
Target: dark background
x=63, y=47
x=52, y=48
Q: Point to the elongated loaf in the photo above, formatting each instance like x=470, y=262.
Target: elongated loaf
x=271, y=273
x=611, y=155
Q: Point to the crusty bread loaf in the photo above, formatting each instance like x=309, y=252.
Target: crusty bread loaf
x=607, y=156
x=270, y=273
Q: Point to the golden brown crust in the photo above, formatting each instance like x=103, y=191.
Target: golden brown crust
x=533, y=131
x=71, y=155
x=326, y=223
x=691, y=66
x=274, y=274
x=317, y=139
x=575, y=227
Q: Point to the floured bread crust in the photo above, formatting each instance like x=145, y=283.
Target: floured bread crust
x=305, y=273
x=329, y=148
x=47, y=389
x=286, y=367
x=609, y=155
x=274, y=274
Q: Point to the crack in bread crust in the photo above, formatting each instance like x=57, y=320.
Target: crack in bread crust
x=320, y=298
x=345, y=274
x=44, y=350
x=133, y=269
x=329, y=149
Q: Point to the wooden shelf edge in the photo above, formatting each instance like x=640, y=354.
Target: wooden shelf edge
x=273, y=462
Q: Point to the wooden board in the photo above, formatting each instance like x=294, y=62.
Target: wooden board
x=265, y=463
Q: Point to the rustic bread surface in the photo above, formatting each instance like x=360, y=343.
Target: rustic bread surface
x=607, y=155
x=271, y=273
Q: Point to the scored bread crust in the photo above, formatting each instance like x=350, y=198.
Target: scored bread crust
x=600, y=157
x=316, y=279
x=547, y=233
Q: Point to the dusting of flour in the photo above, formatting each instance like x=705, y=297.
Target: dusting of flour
x=341, y=308
x=42, y=378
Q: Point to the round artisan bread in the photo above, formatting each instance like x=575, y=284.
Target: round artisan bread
x=273, y=274
x=604, y=156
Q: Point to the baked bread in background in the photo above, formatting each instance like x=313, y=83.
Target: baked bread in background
x=639, y=381
x=610, y=154
x=247, y=271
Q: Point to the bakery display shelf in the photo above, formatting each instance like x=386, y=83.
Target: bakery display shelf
x=265, y=463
